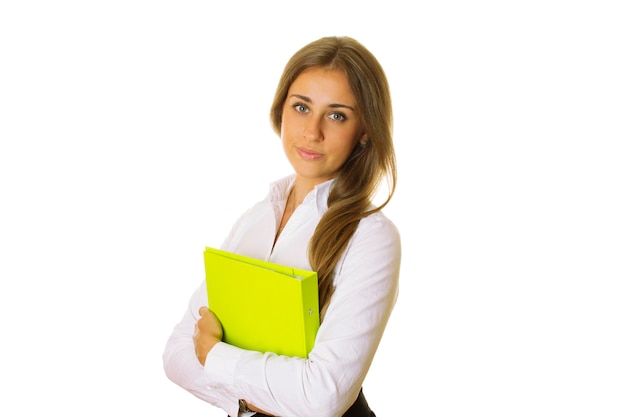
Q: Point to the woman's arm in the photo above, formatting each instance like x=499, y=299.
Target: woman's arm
x=328, y=381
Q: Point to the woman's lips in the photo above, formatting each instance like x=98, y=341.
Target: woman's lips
x=308, y=154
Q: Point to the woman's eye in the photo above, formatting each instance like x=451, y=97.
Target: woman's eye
x=300, y=108
x=337, y=117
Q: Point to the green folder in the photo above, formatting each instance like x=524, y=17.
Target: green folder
x=262, y=306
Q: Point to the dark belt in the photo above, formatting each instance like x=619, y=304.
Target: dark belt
x=360, y=408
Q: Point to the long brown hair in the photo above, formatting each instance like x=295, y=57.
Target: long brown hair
x=358, y=180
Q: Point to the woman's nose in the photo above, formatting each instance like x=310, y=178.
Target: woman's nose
x=313, y=129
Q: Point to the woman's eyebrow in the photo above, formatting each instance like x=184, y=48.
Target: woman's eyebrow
x=334, y=105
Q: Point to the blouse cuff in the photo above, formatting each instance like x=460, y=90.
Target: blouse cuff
x=220, y=364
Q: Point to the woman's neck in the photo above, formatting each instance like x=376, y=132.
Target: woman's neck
x=302, y=187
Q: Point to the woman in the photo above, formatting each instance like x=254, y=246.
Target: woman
x=332, y=110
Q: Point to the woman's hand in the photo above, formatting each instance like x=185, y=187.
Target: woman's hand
x=207, y=332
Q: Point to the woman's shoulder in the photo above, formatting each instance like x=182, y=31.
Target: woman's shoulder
x=378, y=226
x=376, y=243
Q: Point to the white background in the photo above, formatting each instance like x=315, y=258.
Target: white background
x=133, y=133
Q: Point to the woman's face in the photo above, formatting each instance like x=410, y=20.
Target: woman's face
x=320, y=124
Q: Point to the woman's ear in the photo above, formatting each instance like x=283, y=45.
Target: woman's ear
x=363, y=140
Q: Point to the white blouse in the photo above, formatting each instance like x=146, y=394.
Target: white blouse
x=328, y=382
